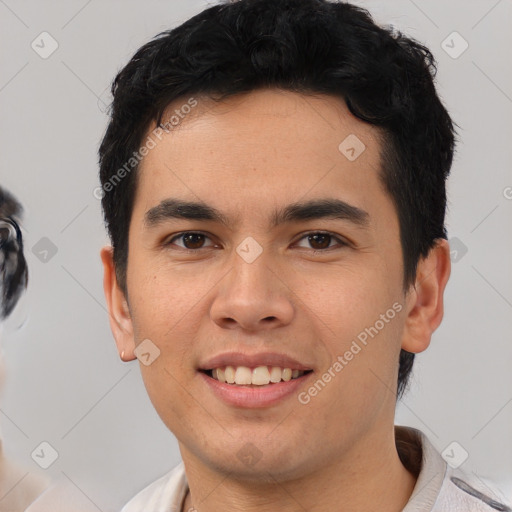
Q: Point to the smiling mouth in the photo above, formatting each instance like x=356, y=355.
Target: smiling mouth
x=254, y=377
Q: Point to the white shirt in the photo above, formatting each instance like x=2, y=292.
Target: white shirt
x=439, y=488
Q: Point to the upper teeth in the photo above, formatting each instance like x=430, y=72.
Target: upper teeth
x=259, y=376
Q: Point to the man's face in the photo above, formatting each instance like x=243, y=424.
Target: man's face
x=304, y=288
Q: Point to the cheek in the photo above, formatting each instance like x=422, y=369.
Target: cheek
x=346, y=299
x=359, y=318
x=161, y=301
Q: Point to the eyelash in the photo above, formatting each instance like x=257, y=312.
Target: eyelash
x=341, y=242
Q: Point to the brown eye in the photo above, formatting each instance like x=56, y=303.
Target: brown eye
x=190, y=240
x=319, y=241
x=193, y=240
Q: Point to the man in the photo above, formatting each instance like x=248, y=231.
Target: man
x=273, y=180
x=18, y=487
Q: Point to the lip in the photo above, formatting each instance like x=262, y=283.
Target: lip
x=257, y=396
x=253, y=361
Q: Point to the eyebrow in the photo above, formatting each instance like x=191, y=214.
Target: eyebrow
x=311, y=210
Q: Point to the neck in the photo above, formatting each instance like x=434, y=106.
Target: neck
x=370, y=479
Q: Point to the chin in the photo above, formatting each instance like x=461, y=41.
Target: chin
x=259, y=461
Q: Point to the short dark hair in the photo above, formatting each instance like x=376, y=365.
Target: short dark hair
x=13, y=267
x=306, y=46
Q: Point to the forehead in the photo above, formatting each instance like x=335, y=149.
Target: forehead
x=264, y=146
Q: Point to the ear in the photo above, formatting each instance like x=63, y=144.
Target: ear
x=425, y=298
x=119, y=313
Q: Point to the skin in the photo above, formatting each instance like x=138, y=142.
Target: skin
x=248, y=156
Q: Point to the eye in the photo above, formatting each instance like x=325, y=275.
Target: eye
x=192, y=240
x=322, y=240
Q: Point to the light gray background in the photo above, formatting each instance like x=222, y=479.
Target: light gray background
x=65, y=382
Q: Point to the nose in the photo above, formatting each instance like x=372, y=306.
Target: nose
x=252, y=297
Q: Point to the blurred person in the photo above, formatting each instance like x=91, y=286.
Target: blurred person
x=23, y=489
x=18, y=486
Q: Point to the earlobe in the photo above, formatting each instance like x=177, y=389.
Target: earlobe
x=425, y=299
x=119, y=312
